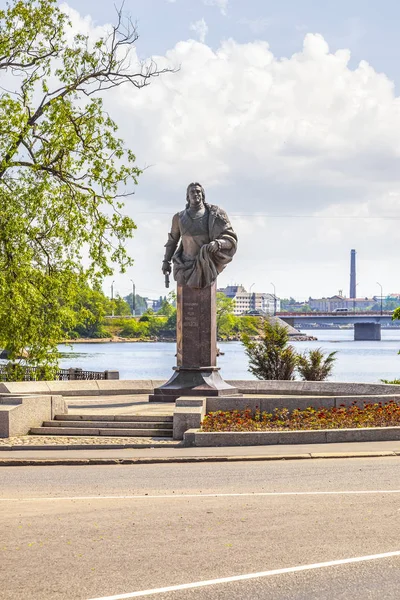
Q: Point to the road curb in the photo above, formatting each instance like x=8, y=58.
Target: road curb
x=32, y=462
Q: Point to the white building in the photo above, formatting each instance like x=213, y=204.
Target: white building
x=249, y=301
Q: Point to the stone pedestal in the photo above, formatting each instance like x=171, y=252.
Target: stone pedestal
x=196, y=373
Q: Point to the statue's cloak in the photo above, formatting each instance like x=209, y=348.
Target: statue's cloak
x=202, y=271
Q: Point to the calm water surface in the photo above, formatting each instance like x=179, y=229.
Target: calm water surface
x=356, y=361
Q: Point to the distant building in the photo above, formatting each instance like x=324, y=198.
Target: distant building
x=334, y=302
x=251, y=301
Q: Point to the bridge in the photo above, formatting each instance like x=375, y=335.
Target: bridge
x=367, y=325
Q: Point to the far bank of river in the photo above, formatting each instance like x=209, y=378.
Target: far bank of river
x=356, y=361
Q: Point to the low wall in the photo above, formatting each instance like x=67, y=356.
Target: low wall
x=313, y=388
x=189, y=412
x=268, y=404
x=202, y=439
x=19, y=413
x=81, y=388
x=245, y=386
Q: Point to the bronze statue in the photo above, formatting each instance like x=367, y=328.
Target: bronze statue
x=201, y=242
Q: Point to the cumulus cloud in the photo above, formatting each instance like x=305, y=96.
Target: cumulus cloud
x=303, y=152
x=201, y=29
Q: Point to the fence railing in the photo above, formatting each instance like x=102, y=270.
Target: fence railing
x=11, y=372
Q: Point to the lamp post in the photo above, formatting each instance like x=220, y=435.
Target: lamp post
x=381, y=296
x=133, y=299
x=112, y=298
x=273, y=285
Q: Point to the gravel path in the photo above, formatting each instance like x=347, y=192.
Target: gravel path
x=61, y=440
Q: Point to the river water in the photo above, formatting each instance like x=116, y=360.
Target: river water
x=356, y=361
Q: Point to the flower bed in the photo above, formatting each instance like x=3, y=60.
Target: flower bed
x=380, y=414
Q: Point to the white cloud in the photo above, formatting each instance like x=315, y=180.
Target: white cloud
x=287, y=146
x=201, y=29
x=221, y=4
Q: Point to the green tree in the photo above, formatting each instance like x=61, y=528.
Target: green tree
x=90, y=308
x=63, y=169
x=225, y=308
x=314, y=365
x=271, y=356
x=120, y=307
x=166, y=309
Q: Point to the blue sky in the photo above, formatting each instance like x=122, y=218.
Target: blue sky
x=288, y=113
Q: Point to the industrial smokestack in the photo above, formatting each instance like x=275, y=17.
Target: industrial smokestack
x=353, y=282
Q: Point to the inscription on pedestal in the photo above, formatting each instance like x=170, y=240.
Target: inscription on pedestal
x=190, y=315
x=196, y=327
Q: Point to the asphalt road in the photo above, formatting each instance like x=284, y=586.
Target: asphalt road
x=108, y=532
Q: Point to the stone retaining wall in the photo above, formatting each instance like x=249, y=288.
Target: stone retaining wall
x=19, y=413
x=245, y=386
x=197, y=438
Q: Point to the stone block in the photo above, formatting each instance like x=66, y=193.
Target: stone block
x=25, y=387
x=189, y=437
x=188, y=414
x=18, y=418
x=58, y=406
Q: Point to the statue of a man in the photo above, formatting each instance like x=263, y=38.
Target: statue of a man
x=207, y=241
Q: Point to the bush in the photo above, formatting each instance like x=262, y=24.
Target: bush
x=315, y=366
x=271, y=357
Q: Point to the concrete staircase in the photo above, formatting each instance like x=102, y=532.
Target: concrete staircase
x=107, y=426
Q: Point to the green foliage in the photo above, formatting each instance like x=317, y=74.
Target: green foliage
x=225, y=307
x=271, y=357
x=119, y=307
x=134, y=329
x=391, y=381
x=166, y=309
x=19, y=372
x=396, y=314
x=89, y=309
x=314, y=365
x=63, y=170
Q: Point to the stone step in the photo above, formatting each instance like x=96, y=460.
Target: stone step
x=78, y=431
x=117, y=418
x=109, y=424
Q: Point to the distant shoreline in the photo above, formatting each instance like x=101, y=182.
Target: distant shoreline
x=120, y=340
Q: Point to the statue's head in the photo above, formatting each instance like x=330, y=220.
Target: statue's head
x=195, y=195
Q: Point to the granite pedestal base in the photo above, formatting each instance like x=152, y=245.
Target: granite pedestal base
x=202, y=381
x=196, y=373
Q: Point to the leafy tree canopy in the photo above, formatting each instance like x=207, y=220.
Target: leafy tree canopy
x=63, y=169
